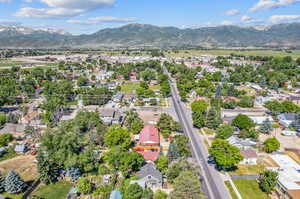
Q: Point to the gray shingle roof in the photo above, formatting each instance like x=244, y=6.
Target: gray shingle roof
x=150, y=169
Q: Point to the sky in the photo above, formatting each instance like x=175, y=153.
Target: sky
x=89, y=16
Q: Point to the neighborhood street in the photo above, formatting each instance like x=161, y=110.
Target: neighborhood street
x=214, y=186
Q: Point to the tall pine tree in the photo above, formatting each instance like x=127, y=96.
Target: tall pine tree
x=213, y=119
x=14, y=183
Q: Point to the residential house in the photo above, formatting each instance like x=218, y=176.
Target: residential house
x=250, y=156
x=289, y=175
x=285, y=119
x=133, y=76
x=241, y=143
x=149, y=177
x=111, y=116
x=118, y=97
x=21, y=148
x=149, y=143
x=13, y=128
x=259, y=120
x=289, y=133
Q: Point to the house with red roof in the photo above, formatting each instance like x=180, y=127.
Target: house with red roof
x=149, y=143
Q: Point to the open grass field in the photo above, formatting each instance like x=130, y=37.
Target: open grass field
x=24, y=165
x=249, y=189
x=231, y=191
x=130, y=87
x=248, y=169
x=188, y=53
x=58, y=190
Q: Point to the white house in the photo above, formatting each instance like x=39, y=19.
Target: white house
x=250, y=156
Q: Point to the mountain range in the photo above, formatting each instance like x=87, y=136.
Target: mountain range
x=143, y=35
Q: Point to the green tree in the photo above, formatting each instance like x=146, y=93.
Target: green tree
x=49, y=171
x=133, y=122
x=271, y=145
x=268, y=180
x=198, y=119
x=199, y=106
x=2, y=120
x=84, y=185
x=275, y=107
x=131, y=162
x=290, y=107
x=5, y=139
x=213, y=119
x=167, y=125
x=224, y=131
x=243, y=122
x=133, y=191
x=82, y=81
x=159, y=194
x=117, y=136
x=187, y=184
x=103, y=191
x=251, y=133
x=162, y=164
x=225, y=155
x=14, y=183
x=266, y=127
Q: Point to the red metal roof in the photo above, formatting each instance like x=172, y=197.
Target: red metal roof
x=150, y=155
x=149, y=136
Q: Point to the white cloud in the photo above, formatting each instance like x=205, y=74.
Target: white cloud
x=270, y=4
x=106, y=19
x=9, y=22
x=249, y=20
x=63, y=8
x=228, y=23
x=232, y=12
x=283, y=18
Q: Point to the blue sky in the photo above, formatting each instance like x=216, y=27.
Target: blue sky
x=87, y=16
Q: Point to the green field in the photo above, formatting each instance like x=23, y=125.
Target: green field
x=18, y=63
x=231, y=191
x=12, y=196
x=58, y=190
x=188, y=53
x=249, y=189
x=132, y=86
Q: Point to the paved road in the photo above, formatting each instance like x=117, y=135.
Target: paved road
x=214, y=186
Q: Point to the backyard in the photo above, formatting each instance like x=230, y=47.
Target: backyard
x=58, y=190
x=249, y=189
x=130, y=87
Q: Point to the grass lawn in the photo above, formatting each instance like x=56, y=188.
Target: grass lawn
x=23, y=164
x=231, y=191
x=10, y=153
x=12, y=196
x=129, y=87
x=58, y=190
x=249, y=189
x=248, y=169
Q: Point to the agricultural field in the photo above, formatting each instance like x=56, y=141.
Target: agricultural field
x=188, y=53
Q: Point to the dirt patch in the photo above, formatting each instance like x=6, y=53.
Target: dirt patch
x=149, y=117
x=24, y=165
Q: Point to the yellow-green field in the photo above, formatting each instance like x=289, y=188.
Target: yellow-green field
x=130, y=87
x=188, y=53
x=249, y=189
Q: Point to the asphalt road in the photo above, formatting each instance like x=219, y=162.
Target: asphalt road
x=213, y=185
